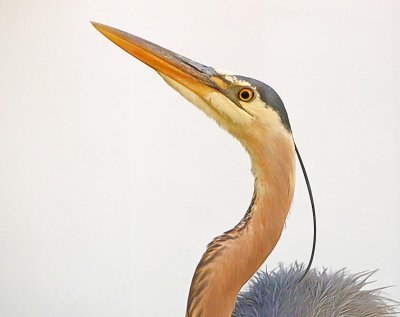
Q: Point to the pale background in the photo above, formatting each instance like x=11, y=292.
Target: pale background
x=111, y=184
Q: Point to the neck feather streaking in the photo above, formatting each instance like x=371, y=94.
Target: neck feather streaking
x=232, y=258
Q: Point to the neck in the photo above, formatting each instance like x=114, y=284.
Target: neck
x=232, y=258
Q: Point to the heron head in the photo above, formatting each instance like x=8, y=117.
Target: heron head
x=247, y=108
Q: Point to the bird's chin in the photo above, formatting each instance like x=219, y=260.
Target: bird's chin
x=207, y=102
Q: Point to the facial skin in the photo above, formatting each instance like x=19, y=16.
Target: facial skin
x=248, y=119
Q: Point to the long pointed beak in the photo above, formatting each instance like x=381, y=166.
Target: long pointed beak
x=194, y=76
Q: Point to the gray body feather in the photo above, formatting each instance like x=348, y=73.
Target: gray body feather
x=320, y=294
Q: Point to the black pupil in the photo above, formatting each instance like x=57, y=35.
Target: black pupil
x=245, y=94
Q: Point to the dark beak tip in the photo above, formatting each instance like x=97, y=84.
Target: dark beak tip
x=102, y=28
x=95, y=24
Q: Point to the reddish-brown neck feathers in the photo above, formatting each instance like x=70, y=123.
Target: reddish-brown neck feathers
x=233, y=257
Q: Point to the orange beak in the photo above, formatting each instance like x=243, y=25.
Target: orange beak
x=196, y=77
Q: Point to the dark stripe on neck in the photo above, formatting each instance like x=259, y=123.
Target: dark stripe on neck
x=214, y=249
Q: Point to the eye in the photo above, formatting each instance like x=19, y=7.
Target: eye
x=246, y=94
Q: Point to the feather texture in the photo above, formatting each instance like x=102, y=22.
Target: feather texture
x=320, y=294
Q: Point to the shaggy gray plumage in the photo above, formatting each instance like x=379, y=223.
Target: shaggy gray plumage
x=320, y=294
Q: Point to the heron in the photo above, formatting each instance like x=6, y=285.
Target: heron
x=255, y=115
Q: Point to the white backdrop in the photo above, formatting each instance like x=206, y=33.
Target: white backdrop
x=112, y=184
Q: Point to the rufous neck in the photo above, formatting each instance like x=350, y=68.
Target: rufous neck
x=232, y=258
